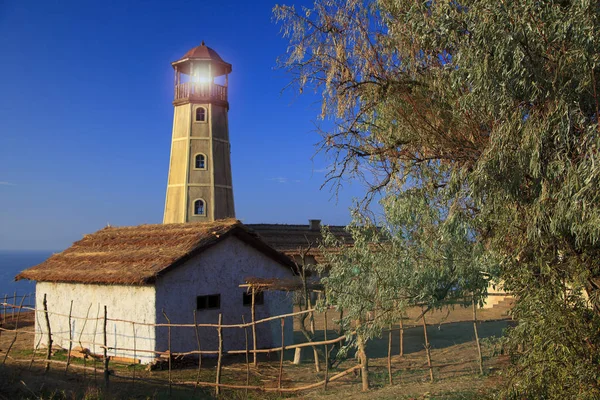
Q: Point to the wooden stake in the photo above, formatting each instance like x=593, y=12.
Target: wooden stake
x=199, y=351
x=16, y=331
x=389, y=357
x=477, y=336
x=401, y=337
x=87, y=314
x=169, y=343
x=340, y=330
x=427, y=350
x=106, y=373
x=326, y=350
x=134, y=353
x=282, y=352
x=70, y=339
x=37, y=345
x=311, y=317
x=49, y=352
x=94, y=342
x=253, y=315
x=247, y=356
x=220, y=357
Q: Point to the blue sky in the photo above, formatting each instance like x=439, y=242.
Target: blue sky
x=86, y=117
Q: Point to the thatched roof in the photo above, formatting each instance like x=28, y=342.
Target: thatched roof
x=138, y=255
x=294, y=239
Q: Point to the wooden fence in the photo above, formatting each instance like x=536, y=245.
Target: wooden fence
x=12, y=309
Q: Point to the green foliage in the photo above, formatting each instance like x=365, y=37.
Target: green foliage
x=495, y=103
x=422, y=254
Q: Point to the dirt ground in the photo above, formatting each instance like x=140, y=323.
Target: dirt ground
x=453, y=353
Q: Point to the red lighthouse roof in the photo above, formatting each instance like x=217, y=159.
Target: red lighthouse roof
x=202, y=53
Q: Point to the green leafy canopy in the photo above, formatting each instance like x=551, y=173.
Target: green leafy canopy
x=479, y=122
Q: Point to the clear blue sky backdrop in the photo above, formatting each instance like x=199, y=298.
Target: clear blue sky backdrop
x=86, y=116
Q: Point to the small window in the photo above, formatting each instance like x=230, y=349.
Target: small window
x=208, y=302
x=200, y=162
x=259, y=298
x=201, y=114
x=199, y=208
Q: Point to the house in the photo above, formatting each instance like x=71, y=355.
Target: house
x=142, y=271
x=297, y=241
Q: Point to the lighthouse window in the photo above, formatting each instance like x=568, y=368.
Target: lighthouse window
x=201, y=114
x=200, y=161
x=199, y=207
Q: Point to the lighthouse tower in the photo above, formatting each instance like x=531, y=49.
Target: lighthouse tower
x=199, y=187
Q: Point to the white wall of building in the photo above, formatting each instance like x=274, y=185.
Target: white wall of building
x=220, y=270
x=132, y=303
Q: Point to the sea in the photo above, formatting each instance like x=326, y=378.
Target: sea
x=13, y=262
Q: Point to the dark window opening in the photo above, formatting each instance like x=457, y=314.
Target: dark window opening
x=200, y=161
x=208, y=302
x=199, y=207
x=201, y=114
x=259, y=298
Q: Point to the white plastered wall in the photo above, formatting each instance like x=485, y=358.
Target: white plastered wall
x=220, y=270
x=132, y=303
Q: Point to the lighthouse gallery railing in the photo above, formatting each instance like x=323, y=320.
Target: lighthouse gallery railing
x=200, y=90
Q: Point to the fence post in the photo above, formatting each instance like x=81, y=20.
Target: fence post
x=427, y=348
x=37, y=345
x=105, y=350
x=134, y=353
x=94, y=342
x=14, y=306
x=199, y=351
x=401, y=336
x=253, y=315
x=389, y=357
x=70, y=339
x=477, y=336
x=169, y=350
x=49, y=352
x=282, y=351
x=219, y=331
x=326, y=349
x=247, y=355
x=87, y=314
x=16, y=331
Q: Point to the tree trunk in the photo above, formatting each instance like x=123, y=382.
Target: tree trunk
x=364, y=363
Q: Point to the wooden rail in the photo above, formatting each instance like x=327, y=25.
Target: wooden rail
x=200, y=91
x=52, y=336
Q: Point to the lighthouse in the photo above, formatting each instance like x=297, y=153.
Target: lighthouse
x=199, y=186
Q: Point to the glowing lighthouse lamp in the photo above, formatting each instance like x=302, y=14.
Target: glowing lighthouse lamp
x=196, y=72
x=202, y=73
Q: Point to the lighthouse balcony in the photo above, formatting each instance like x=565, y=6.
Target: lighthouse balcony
x=200, y=91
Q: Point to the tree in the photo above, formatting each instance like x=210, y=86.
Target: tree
x=496, y=103
x=422, y=253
